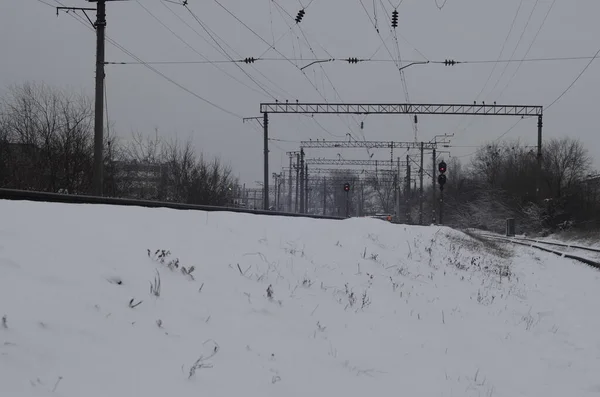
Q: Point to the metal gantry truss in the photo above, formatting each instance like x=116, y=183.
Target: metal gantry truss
x=344, y=162
x=394, y=109
x=350, y=171
x=366, y=144
x=401, y=108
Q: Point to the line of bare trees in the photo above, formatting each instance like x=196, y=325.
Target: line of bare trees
x=500, y=182
x=46, y=144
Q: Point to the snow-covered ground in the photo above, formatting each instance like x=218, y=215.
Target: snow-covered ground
x=359, y=307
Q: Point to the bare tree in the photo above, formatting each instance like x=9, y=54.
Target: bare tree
x=48, y=138
x=566, y=163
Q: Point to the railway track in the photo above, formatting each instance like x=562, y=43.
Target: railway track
x=28, y=195
x=556, y=248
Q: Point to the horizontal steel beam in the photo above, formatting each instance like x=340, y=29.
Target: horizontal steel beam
x=382, y=163
x=366, y=144
x=402, y=108
x=349, y=171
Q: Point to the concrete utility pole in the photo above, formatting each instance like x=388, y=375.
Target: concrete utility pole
x=100, y=27
x=99, y=105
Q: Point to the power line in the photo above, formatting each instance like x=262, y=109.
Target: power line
x=324, y=73
x=440, y=6
x=512, y=25
x=207, y=41
x=495, y=140
x=279, y=7
x=213, y=63
x=574, y=81
x=517, y=45
x=528, y=49
x=398, y=63
x=218, y=46
x=127, y=52
x=225, y=52
x=366, y=60
x=495, y=64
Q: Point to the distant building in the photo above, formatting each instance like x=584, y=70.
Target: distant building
x=140, y=179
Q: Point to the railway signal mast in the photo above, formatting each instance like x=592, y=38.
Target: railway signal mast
x=442, y=168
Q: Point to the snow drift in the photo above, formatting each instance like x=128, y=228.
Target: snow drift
x=103, y=301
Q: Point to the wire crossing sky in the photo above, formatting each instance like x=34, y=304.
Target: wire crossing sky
x=194, y=69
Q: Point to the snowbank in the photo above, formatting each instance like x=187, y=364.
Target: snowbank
x=358, y=307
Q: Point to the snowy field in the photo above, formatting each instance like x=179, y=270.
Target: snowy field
x=358, y=307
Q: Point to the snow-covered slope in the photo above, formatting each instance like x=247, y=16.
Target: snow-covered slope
x=359, y=307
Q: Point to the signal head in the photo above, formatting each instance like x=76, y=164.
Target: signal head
x=442, y=179
x=442, y=167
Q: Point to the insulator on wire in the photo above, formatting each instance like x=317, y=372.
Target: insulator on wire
x=449, y=62
x=352, y=60
x=300, y=15
x=249, y=60
x=395, y=18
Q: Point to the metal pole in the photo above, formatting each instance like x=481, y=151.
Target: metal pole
x=324, y=195
x=407, y=192
x=398, y=193
x=277, y=208
x=306, y=189
x=539, y=160
x=99, y=105
x=395, y=193
x=302, y=181
x=433, y=192
x=347, y=205
x=289, y=200
x=441, y=205
x=297, y=182
x=362, y=199
x=421, y=188
x=266, y=154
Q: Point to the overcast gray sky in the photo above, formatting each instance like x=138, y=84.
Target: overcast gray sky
x=36, y=45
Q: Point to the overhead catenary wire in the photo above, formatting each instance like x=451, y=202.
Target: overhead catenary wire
x=398, y=63
x=216, y=45
x=574, y=81
x=324, y=73
x=528, y=49
x=280, y=9
x=516, y=46
x=213, y=36
x=165, y=77
x=358, y=60
x=495, y=140
x=495, y=65
x=213, y=63
x=512, y=25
